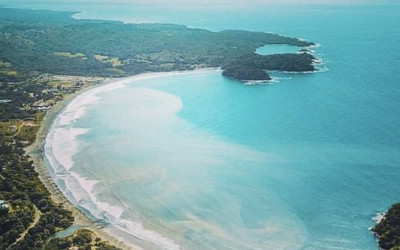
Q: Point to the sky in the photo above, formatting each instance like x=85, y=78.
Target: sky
x=220, y=2
x=192, y=5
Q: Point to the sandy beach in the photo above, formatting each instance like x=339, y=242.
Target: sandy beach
x=36, y=152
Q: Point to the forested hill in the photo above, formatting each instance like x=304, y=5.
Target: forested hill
x=53, y=42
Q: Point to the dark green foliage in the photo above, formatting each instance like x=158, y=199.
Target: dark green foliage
x=32, y=45
x=84, y=239
x=254, y=67
x=287, y=62
x=388, y=230
x=37, y=42
x=243, y=72
x=20, y=91
x=22, y=189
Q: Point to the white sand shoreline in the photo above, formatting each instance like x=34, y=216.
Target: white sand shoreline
x=36, y=151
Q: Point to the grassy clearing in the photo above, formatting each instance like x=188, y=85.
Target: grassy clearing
x=29, y=133
x=71, y=55
x=115, y=62
x=11, y=127
x=101, y=58
x=56, y=83
x=11, y=73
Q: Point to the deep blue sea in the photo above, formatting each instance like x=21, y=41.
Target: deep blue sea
x=197, y=161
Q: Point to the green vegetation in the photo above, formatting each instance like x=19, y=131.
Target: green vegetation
x=32, y=213
x=246, y=73
x=45, y=55
x=71, y=55
x=115, y=62
x=82, y=239
x=28, y=216
x=31, y=217
x=388, y=230
x=20, y=92
x=51, y=42
x=254, y=67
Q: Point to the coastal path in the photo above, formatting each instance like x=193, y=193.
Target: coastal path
x=36, y=219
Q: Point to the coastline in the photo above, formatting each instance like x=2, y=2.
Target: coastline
x=36, y=152
x=330, y=152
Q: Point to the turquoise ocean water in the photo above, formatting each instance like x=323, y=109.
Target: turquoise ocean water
x=198, y=161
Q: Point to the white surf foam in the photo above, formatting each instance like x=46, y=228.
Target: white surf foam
x=60, y=148
x=379, y=217
x=152, y=107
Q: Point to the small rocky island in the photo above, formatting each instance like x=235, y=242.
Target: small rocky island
x=255, y=67
x=54, y=43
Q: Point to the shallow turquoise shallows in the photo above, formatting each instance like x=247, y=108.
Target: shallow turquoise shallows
x=197, y=161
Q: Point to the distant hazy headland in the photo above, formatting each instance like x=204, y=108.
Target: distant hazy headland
x=53, y=42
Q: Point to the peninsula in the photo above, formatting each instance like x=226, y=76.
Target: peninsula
x=53, y=42
x=45, y=56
